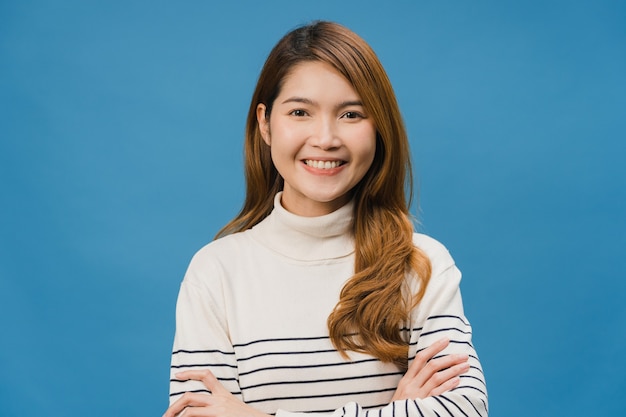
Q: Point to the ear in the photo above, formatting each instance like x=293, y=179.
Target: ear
x=264, y=123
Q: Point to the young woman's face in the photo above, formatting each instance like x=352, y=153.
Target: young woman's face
x=322, y=141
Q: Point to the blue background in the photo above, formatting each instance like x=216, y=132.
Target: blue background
x=121, y=125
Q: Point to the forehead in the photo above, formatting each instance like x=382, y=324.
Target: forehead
x=315, y=78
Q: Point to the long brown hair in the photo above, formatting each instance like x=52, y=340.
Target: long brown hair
x=375, y=302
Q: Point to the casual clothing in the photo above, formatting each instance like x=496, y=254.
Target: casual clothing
x=253, y=308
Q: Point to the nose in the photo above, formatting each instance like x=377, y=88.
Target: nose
x=326, y=135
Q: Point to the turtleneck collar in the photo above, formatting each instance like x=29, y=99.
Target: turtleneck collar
x=307, y=238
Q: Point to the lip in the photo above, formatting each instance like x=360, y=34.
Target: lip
x=324, y=171
x=321, y=158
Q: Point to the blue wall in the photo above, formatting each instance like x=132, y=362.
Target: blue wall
x=121, y=125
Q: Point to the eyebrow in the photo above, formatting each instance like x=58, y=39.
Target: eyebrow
x=305, y=100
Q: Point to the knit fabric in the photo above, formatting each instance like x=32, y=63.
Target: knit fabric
x=253, y=308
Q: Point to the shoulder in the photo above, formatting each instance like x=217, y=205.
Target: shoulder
x=224, y=247
x=218, y=256
x=436, y=252
x=443, y=285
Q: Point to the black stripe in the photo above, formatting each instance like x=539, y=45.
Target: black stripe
x=472, y=404
x=473, y=377
x=202, y=351
x=445, y=329
x=206, y=391
x=418, y=409
x=452, y=341
x=287, y=339
x=447, y=354
x=470, y=387
x=454, y=404
x=376, y=405
x=219, y=379
x=411, y=329
x=286, y=353
x=462, y=342
x=332, y=410
x=324, y=365
x=459, y=342
x=309, y=397
x=197, y=391
x=444, y=406
x=204, y=365
x=314, y=381
x=445, y=316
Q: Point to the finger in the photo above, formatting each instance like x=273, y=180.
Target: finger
x=425, y=355
x=442, y=363
x=198, y=412
x=447, y=361
x=433, y=368
x=210, y=381
x=195, y=375
x=445, y=387
x=206, y=377
x=189, y=399
x=447, y=379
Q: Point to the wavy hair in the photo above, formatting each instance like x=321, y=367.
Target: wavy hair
x=375, y=303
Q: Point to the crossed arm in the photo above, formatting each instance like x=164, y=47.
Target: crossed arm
x=427, y=375
x=444, y=375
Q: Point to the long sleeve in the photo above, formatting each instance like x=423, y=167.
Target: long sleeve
x=253, y=308
x=439, y=314
x=201, y=340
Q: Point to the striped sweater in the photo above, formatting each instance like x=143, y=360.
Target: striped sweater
x=253, y=307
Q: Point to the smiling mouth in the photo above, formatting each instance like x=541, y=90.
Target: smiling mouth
x=323, y=164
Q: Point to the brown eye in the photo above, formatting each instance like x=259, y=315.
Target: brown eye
x=352, y=115
x=298, y=113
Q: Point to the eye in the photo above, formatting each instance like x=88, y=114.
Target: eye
x=298, y=113
x=353, y=115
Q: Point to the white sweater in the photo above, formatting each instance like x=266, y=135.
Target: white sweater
x=253, y=308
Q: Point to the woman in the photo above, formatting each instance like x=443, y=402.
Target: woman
x=319, y=297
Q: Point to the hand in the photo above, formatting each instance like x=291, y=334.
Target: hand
x=221, y=403
x=429, y=377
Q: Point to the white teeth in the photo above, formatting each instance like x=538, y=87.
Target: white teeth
x=322, y=164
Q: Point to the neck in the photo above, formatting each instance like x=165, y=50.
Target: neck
x=307, y=238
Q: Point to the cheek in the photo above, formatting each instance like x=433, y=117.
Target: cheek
x=285, y=140
x=282, y=150
x=367, y=147
x=289, y=132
